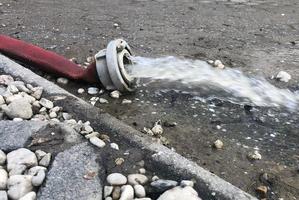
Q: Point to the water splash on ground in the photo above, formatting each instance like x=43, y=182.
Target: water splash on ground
x=244, y=89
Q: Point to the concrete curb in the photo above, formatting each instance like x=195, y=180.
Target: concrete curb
x=161, y=158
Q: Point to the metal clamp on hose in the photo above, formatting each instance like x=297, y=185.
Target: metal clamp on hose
x=112, y=66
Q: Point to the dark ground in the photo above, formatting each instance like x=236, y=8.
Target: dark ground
x=260, y=37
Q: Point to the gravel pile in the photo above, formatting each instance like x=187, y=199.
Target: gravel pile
x=21, y=173
x=134, y=186
x=20, y=101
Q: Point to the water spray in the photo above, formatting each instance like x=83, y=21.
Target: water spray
x=110, y=67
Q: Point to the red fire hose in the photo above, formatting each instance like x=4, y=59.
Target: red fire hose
x=46, y=60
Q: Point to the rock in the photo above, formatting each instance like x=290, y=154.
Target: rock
x=180, y=193
x=17, y=170
x=116, y=179
x=2, y=157
x=93, y=134
x=115, y=94
x=46, y=103
x=108, y=191
x=17, y=119
x=18, y=109
x=116, y=192
x=262, y=191
x=119, y=161
x=126, y=101
x=39, y=178
x=3, y=195
x=6, y=79
x=87, y=128
x=21, y=86
x=66, y=116
x=34, y=170
x=3, y=179
x=157, y=129
x=65, y=179
x=45, y=161
x=185, y=183
x=218, y=64
x=21, y=156
x=56, y=109
x=255, y=155
x=162, y=185
x=155, y=178
x=136, y=179
x=10, y=98
x=27, y=97
x=283, y=76
x=81, y=91
x=102, y=100
x=29, y=196
x=37, y=92
x=18, y=186
x=116, y=25
x=114, y=146
x=2, y=101
x=108, y=198
x=13, y=89
x=218, y=144
x=92, y=90
x=40, y=154
x=52, y=115
x=97, y=142
x=139, y=191
x=127, y=192
x=62, y=81
x=142, y=171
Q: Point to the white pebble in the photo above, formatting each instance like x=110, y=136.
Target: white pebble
x=115, y=94
x=139, y=191
x=255, y=155
x=136, y=179
x=46, y=103
x=126, y=101
x=218, y=144
x=39, y=178
x=283, y=76
x=81, y=91
x=45, y=161
x=3, y=179
x=29, y=196
x=185, y=183
x=97, y=142
x=142, y=171
x=62, y=81
x=127, y=192
x=114, y=146
x=108, y=191
x=116, y=179
x=92, y=90
x=102, y=100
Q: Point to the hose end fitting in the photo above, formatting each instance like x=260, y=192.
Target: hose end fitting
x=112, y=65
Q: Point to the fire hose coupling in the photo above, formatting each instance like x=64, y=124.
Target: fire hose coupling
x=112, y=65
x=111, y=68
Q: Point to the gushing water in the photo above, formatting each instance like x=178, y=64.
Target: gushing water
x=245, y=89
